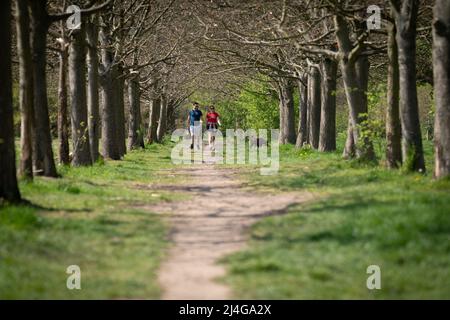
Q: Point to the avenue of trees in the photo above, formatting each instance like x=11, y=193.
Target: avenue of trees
x=124, y=73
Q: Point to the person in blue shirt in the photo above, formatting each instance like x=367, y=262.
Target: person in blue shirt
x=195, y=125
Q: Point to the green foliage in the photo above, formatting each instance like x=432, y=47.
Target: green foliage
x=260, y=106
x=256, y=107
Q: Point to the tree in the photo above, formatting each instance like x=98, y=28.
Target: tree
x=26, y=88
x=287, y=111
x=406, y=13
x=327, y=135
x=77, y=84
x=441, y=63
x=42, y=140
x=93, y=86
x=63, y=126
x=9, y=190
x=109, y=118
x=302, y=136
x=314, y=106
x=393, y=126
x=135, y=132
x=162, y=122
x=349, y=55
x=119, y=91
x=155, y=105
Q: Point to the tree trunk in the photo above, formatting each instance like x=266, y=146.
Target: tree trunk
x=287, y=111
x=162, y=123
x=171, y=116
x=412, y=150
x=26, y=89
x=349, y=148
x=109, y=114
x=119, y=87
x=42, y=144
x=288, y=93
x=93, y=87
x=153, y=120
x=63, y=126
x=355, y=84
x=367, y=151
x=77, y=78
x=393, y=127
x=308, y=107
x=135, y=135
x=327, y=137
x=303, y=111
x=314, y=107
x=441, y=63
x=281, y=111
x=9, y=190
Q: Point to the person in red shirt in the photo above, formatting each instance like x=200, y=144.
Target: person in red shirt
x=212, y=124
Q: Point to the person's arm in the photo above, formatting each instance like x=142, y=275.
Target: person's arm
x=189, y=119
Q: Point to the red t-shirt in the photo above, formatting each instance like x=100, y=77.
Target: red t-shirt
x=211, y=117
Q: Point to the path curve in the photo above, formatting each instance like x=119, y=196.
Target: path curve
x=207, y=227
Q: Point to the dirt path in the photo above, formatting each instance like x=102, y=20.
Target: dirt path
x=209, y=226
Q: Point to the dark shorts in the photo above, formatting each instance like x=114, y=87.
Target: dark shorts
x=211, y=126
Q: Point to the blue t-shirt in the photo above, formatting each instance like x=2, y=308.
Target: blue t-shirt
x=195, y=115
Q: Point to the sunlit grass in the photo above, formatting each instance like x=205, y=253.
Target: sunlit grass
x=362, y=215
x=93, y=217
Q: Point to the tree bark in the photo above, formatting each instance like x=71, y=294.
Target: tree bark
x=412, y=149
x=314, y=107
x=93, y=88
x=303, y=112
x=63, y=126
x=287, y=111
x=119, y=88
x=26, y=89
x=354, y=88
x=9, y=190
x=42, y=141
x=171, y=116
x=77, y=78
x=308, y=107
x=162, y=123
x=153, y=120
x=441, y=64
x=281, y=110
x=135, y=133
x=109, y=114
x=393, y=127
x=366, y=151
x=349, y=148
x=327, y=137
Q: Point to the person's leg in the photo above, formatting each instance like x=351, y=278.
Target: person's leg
x=213, y=139
x=197, y=136
x=192, y=131
x=209, y=135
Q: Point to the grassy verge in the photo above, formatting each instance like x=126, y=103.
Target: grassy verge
x=361, y=216
x=91, y=218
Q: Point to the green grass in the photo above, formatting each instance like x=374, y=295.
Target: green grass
x=93, y=217
x=361, y=215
